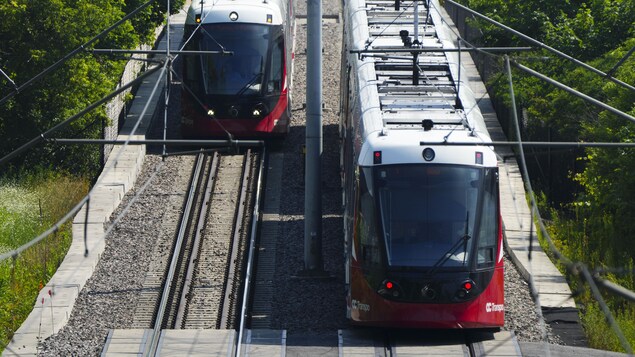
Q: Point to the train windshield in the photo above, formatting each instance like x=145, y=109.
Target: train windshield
x=430, y=214
x=244, y=72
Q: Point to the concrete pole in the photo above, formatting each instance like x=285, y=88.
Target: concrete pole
x=313, y=263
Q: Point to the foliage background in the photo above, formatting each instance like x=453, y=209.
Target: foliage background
x=36, y=34
x=588, y=195
x=40, y=186
x=26, y=210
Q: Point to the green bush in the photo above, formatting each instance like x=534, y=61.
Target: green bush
x=601, y=334
x=582, y=235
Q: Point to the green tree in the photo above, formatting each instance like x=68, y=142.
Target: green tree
x=38, y=33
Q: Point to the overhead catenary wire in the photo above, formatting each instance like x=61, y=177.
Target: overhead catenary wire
x=44, y=137
x=605, y=309
x=532, y=285
x=9, y=79
x=69, y=120
x=571, y=267
x=131, y=142
x=74, y=210
x=71, y=54
x=520, y=144
x=574, y=92
x=542, y=45
x=620, y=62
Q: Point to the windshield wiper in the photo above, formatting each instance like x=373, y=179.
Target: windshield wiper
x=249, y=84
x=446, y=256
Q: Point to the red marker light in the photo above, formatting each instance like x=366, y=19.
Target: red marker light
x=467, y=286
x=389, y=285
x=377, y=157
x=478, y=158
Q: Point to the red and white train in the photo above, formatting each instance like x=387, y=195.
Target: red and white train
x=422, y=213
x=245, y=90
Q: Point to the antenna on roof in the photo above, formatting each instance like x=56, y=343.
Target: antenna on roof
x=417, y=44
x=458, y=104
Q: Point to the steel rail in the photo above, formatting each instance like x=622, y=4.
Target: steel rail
x=252, y=248
x=229, y=296
x=185, y=292
x=152, y=345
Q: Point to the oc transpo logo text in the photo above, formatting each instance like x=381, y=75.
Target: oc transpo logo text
x=356, y=305
x=491, y=307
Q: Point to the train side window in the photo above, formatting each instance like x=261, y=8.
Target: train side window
x=369, y=240
x=192, y=65
x=274, y=84
x=488, y=232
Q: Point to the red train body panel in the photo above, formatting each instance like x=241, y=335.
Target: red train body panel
x=368, y=308
x=275, y=124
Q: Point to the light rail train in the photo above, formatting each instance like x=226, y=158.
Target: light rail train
x=420, y=183
x=243, y=88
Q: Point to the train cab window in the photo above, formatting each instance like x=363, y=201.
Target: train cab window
x=242, y=73
x=427, y=214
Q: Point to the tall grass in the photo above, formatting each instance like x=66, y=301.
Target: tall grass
x=575, y=237
x=600, y=333
x=19, y=217
x=26, y=210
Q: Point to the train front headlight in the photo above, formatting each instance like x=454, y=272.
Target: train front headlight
x=259, y=111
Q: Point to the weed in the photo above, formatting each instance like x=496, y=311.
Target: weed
x=26, y=211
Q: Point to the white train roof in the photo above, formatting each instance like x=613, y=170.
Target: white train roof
x=393, y=107
x=267, y=12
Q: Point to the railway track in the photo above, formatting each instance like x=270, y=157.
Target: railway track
x=391, y=343
x=200, y=284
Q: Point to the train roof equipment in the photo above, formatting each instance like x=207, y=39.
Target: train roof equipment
x=411, y=100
